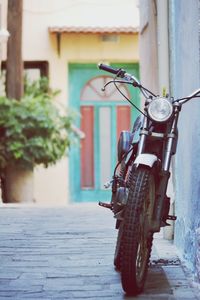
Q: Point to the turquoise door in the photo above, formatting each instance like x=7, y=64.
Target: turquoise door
x=103, y=115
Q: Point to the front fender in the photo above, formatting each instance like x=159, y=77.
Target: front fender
x=146, y=159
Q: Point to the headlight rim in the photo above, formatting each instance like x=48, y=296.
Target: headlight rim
x=167, y=117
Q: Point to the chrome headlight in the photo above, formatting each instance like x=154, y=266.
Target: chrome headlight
x=160, y=109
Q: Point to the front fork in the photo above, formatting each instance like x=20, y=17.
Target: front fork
x=162, y=201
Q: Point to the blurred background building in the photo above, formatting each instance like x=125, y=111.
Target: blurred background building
x=65, y=40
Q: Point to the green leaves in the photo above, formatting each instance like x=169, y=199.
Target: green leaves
x=33, y=130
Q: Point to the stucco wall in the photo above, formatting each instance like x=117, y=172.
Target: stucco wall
x=51, y=186
x=148, y=45
x=185, y=77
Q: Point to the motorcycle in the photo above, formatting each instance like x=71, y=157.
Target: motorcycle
x=139, y=185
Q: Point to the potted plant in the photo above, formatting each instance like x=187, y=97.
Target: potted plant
x=33, y=131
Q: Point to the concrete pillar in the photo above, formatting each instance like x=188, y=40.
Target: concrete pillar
x=163, y=45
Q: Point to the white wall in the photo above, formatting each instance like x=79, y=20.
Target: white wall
x=3, y=25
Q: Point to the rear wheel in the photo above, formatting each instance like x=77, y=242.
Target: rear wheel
x=124, y=173
x=136, y=236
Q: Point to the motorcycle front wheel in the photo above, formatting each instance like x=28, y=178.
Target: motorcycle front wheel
x=136, y=236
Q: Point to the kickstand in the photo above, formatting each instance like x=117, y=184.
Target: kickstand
x=106, y=205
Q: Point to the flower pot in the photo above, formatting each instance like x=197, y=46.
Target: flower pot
x=18, y=185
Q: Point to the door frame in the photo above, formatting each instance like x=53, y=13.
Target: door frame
x=79, y=75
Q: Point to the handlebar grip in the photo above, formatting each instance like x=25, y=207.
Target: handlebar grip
x=119, y=72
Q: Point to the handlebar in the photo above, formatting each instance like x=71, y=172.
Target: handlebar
x=195, y=94
x=128, y=78
x=134, y=81
x=118, y=72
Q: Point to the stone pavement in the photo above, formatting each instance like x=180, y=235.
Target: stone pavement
x=67, y=253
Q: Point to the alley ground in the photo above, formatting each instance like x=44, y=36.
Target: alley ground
x=67, y=253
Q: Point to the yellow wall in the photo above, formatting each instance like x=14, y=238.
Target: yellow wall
x=87, y=48
x=51, y=185
x=75, y=48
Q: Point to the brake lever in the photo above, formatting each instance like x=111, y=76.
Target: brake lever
x=115, y=81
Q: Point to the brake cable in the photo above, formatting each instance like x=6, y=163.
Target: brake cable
x=119, y=162
x=125, y=82
x=186, y=99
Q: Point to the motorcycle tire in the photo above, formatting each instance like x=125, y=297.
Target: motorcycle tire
x=118, y=248
x=137, y=237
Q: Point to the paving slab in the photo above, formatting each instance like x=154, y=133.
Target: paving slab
x=67, y=253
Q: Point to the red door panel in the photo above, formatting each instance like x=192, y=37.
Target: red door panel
x=87, y=151
x=123, y=119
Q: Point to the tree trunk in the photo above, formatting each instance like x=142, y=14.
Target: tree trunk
x=14, y=65
x=17, y=185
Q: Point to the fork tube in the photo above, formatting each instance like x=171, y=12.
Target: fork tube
x=167, y=157
x=143, y=135
x=170, y=140
x=164, y=175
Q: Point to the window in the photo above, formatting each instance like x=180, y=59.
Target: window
x=93, y=90
x=34, y=70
